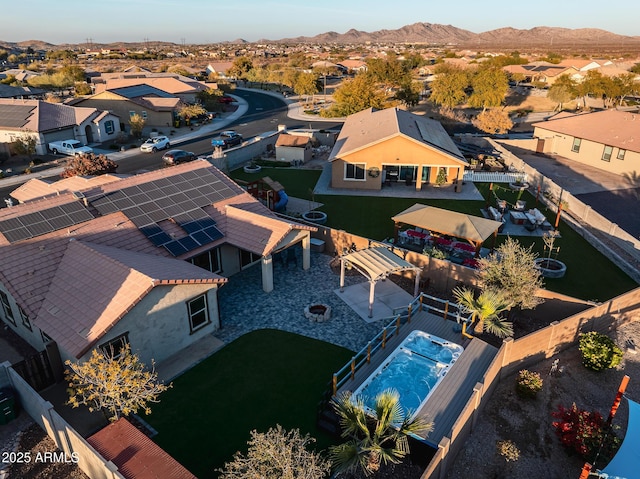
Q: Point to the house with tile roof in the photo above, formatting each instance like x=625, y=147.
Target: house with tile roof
x=185, y=90
x=48, y=122
x=608, y=139
x=135, y=260
x=378, y=147
x=158, y=107
x=540, y=72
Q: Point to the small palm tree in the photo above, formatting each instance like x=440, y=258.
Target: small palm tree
x=485, y=310
x=374, y=439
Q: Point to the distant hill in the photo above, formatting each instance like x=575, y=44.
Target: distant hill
x=428, y=33
x=448, y=34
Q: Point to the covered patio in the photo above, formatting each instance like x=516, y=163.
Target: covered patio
x=376, y=263
x=429, y=219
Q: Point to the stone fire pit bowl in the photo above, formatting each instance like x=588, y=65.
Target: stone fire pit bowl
x=317, y=313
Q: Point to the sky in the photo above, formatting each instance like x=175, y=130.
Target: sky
x=212, y=21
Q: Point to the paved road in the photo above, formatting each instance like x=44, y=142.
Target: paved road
x=257, y=113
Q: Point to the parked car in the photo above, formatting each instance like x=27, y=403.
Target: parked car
x=225, y=99
x=226, y=139
x=155, y=144
x=173, y=157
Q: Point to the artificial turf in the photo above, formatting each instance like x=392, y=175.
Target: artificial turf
x=590, y=275
x=263, y=378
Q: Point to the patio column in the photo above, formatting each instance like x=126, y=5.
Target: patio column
x=306, y=251
x=416, y=286
x=342, y=275
x=267, y=274
x=372, y=290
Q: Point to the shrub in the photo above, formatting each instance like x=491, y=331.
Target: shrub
x=528, y=383
x=508, y=450
x=599, y=351
x=583, y=432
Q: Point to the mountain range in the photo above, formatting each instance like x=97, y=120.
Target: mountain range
x=426, y=33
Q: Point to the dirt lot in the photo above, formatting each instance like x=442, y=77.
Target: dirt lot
x=528, y=422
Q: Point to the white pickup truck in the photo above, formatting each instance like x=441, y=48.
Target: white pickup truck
x=69, y=147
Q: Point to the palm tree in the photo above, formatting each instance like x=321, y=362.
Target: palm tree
x=373, y=439
x=485, y=310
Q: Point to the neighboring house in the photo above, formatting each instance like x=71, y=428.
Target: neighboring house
x=540, y=72
x=386, y=146
x=609, y=139
x=134, y=454
x=19, y=74
x=294, y=149
x=219, y=69
x=353, y=66
x=49, y=122
x=8, y=91
x=134, y=260
x=159, y=108
x=186, y=91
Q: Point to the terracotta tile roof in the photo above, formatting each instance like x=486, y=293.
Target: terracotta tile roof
x=135, y=455
x=37, y=188
x=292, y=140
x=616, y=128
x=96, y=285
x=371, y=126
x=169, y=84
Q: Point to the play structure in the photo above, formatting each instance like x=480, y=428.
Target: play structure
x=270, y=193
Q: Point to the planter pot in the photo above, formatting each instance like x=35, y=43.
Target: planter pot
x=519, y=186
x=252, y=168
x=317, y=217
x=551, y=268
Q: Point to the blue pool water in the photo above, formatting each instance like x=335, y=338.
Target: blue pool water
x=414, y=369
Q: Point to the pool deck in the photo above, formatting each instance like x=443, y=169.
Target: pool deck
x=453, y=392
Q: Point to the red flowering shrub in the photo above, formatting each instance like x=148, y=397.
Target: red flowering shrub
x=583, y=432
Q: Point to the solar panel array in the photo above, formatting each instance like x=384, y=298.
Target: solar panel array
x=15, y=116
x=45, y=221
x=180, y=198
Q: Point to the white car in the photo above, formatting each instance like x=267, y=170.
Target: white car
x=155, y=144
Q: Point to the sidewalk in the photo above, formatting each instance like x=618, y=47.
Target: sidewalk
x=295, y=112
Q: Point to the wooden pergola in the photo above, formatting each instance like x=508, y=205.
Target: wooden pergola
x=474, y=229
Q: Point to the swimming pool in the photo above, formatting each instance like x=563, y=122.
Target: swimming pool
x=414, y=369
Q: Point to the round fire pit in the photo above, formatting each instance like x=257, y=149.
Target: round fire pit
x=550, y=268
x=317, y=313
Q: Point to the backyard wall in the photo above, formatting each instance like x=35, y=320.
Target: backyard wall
x=526, y=352
x=65, y=437
x=234, y=158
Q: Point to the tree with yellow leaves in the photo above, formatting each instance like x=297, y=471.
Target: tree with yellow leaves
x=118, y=385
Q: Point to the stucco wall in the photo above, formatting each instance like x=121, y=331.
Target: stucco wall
x=158, y=326
x=121, y=108
x=590, y=152
x=397, y=151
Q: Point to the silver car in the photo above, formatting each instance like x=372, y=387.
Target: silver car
x=155, y=144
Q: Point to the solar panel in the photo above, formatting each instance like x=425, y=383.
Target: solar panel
x=45, y=221
x=189, y=243
x=175, y=248
x=213, y=233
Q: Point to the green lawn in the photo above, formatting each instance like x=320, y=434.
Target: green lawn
x=590, y=275
x=261, y=379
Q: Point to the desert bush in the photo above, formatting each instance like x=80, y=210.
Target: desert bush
x=508, y=450
x=585, y=433
x=528, y=383
x=599, y=351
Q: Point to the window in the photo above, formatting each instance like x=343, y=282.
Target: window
x=6, y=307
x=606, y=153
x=355, y=171
x=114, y=347
x=248, y=258
x=109, y=127
x=45, y=337
x=144, y=114
x=25, y=319
x=198, y=313
x=131, y=114
x=576, y=145
x=210, y=260
x=621, y=154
